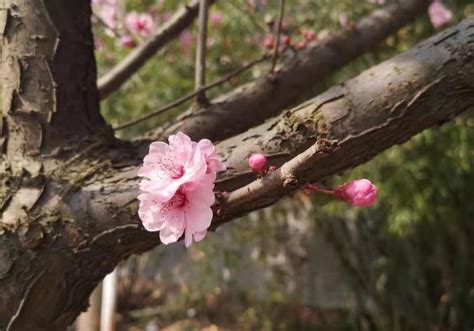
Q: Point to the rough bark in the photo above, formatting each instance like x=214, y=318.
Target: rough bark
x=50, y=108
x=253, y=103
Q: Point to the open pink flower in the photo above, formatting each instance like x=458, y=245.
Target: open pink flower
x=188, y=211
x=439, y=14
x=140, y=24
x=360, y=193
x=178, y=188
x=167, y=167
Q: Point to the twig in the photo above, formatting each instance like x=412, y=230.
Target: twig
x=200, y=73
x=119, y=74
x=191, y=95
x=277, y=42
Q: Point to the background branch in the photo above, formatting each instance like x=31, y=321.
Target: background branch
x=200, y=67
x=278, y=35
x=253, y=103
x=119, y=74
x=190, y=96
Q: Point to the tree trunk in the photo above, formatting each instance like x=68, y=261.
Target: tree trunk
x=50, y=108
x=90, y=320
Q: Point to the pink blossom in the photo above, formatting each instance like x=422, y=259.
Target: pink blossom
x=127, y=42
x=188, y=211
x=268, y=41
x=216, y=18
x=301, y=45
x=167, y=167
x=107, y=11
x=285, y=40
x=360, y=193
x=439, y=14
x=186, y=40
x=257, y=4
x=257, y=162
x=141, y=24
x=309, y=35
x=178, y=188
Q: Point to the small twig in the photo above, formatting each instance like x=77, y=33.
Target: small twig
x=278, y=34
x=191, y=95
x=200, y=73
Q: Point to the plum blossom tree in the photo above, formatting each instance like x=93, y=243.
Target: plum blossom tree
x=69, y=187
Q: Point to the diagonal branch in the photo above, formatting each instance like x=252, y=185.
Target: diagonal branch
x=119, y=74
x=337, y=130
x=253, y=103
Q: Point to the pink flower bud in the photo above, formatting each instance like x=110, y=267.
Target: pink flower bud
x=360, y=193
x=257, y=162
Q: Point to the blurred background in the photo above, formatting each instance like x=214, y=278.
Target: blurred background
x=307, y=263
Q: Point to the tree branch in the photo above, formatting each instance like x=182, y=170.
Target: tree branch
x=278, y=36
x=190, y=96
x=200, y=68
x=119, y=74
x=252, y=103
x=337, y=130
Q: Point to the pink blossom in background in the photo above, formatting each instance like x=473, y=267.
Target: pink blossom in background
x=178, y=188
x=107, y=11
x=216, y=18
x=300, y=45
x=186, y=40
x=360, y=193
x=439, y=14
x=268, y=41
x=140, y=23
x=309, y=35
x=285, y=40
x=127, y=42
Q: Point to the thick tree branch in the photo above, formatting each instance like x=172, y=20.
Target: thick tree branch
x=343, y=127
x=253, y=103
x=119, y=74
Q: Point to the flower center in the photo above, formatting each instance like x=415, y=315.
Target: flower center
x=178, y=200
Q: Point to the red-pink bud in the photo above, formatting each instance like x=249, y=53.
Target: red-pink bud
x=300, y=45
x=285, y=40
x=360, y=193
x=257, y=162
